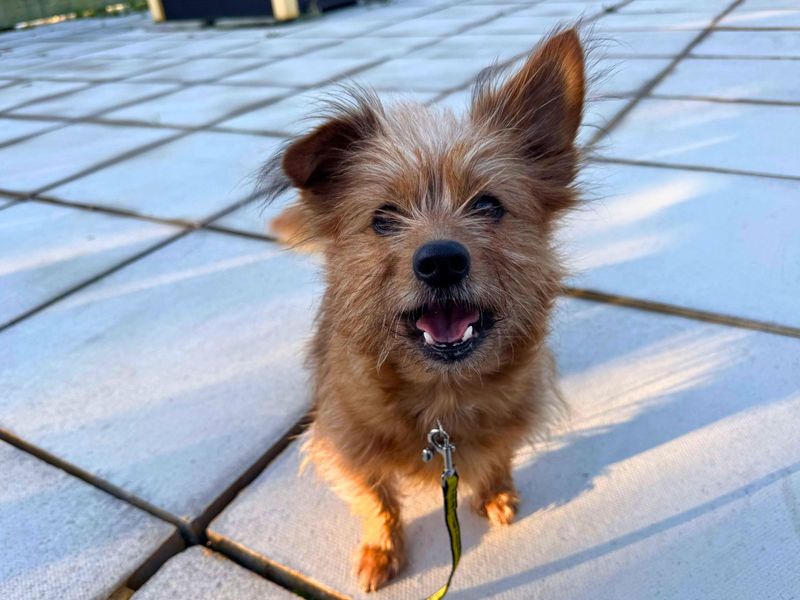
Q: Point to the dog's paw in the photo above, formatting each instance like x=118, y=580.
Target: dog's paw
x=376, y=566
x=500, y=509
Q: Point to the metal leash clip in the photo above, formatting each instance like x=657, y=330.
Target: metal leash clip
x=439, y=440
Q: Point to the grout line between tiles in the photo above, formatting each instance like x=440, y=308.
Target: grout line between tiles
x=718, y=100
x=679, y=311
x=687, y=167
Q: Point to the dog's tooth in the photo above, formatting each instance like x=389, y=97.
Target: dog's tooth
x=467, y=334
x=428, y=337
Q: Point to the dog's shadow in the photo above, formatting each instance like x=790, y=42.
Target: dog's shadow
x=678, y=383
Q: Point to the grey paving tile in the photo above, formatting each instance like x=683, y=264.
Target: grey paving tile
x=12, y=129
x=200, y=574
x=295, y=114
x=511, y=24
x=597, y=114
x=623, y=76
x=373, y=47
x=207, y=103
x=202, y=47
x=280, y=48
x=733, y=80
x=342, y=29
x=190, y=179
x=199, y=69
x=50, y=157
x=99, y=69
x=425, y=26
x=465, y=12
x=761, y=44
x=486, y=48
x=184, y=369
x=300, y=72
x=629, y=491
x=721, y=243
x=23, y=93
x=561, y=10
x=695, y=21
x=405, y=74
x=644, y=43
x=63, y=539
x=144, y=48
x=93, y=100
x=744, y=137
x=48, y=249
x=255, y=216
x=671, y=6
x=763, y=18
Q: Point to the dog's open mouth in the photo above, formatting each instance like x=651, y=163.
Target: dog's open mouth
x=450, y=331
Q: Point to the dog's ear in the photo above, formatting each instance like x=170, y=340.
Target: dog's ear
x=317, y=161
x=542, y=103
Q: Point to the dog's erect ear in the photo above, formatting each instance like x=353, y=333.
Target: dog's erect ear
x=542, y=101
x=317, y=161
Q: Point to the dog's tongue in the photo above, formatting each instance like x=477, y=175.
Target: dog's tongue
x=447, y=323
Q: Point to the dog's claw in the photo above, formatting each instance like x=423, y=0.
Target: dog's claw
x=376, y=566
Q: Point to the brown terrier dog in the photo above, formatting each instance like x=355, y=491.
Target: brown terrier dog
x=441, y=276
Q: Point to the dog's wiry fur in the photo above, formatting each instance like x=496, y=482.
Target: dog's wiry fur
x=376, y=391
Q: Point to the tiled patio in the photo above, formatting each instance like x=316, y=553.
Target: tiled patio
x=151, y=333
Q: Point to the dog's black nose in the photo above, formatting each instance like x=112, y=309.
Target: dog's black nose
x=441, y=263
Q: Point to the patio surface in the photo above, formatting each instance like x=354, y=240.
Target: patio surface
x=151, y=332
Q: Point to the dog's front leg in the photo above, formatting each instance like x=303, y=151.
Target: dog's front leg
x=495, y=496
x=382, y=552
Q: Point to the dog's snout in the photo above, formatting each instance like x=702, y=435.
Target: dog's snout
x=441, y=263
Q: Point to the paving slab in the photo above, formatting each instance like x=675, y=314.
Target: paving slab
x=373, y=47
x=199, y=70
x=759, y=44
x=300, y=72
x=741, y=18
x=659, y=404
x=643, y=43
x=13, y=129
x=711, y=134
x=734, y=79
x=189, y=179
x=47, y=250
x=295, y=114
x=681, y=6
x=623, y=76
x=520, y=25
x=94, y=68
x=693, y=21
x=429, y=27
x=486, y=48
x=403, y=74
x=63, y=539
x=98, y=98
x=50, y=157
x=184, y=369
x=20, y=94
x=279, y=48
x=254, y=217
x=200, y=574
x=707, y=241
x=208, y=103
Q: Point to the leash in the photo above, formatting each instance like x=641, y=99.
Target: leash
x=439, y=441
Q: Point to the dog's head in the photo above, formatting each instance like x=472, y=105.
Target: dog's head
x=438, y=229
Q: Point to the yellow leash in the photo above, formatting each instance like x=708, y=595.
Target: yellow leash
x=440, y=441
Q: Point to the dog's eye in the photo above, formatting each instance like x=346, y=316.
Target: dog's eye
x=488, y=206
x=384, y=221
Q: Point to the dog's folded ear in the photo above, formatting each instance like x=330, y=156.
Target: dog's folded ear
x=542, y=102
x=318, y=160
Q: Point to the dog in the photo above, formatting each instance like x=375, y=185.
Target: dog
x=441, y=274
